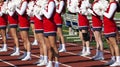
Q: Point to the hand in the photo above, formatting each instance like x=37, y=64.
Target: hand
x=90, y=11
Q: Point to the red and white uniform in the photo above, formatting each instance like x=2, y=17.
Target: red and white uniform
x=83, y=22
x=3, y=22
x=38, y=23
x=96, y=21
x=48, y=20
x=110, y=27
x=22, y=17
x=12, y=19
x=32, y=18
x=58, y=19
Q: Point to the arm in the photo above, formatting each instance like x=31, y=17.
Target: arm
x=111, y=10
x=60, y=7
x=23, y=8
x=51, y=7
x=1, y=13
x=39, y=17
x=10, y=13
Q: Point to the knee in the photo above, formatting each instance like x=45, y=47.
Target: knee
x=86, y=37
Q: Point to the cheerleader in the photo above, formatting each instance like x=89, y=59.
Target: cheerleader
x=30, y=6
x=3, y=25
x=39, y=32
x=24, y=28
x=83, y=25
x=50, y=33
x=97, y=28
x=110, y=29
x=58, y=20
x=13, y=24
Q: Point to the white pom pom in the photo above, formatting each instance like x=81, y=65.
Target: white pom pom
x=84, y=7
x=4, y=8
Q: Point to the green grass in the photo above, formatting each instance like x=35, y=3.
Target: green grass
x=117, y=15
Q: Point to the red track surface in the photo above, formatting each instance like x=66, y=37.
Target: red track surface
x=67, y=59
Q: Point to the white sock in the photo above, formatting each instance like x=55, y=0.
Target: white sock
x=50, y=63
x=83, y=50
x=87, y=49
x=100, y=53
x=45, y=59
x=56, y=64
x=117, y=58
x=97, y=52
x=41, y=57
x=28, y=53
x=63, y=46
x=4, y=46
x=17, y=49
x=113, y=58
x=35, y=41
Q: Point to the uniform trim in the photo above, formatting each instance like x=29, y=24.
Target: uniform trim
x=38, y=31
x=97, y=29
x=49, y=33
x=83, y=28
x=3, y=27
x=13, y=25
x=110, y=35
x=59, y=25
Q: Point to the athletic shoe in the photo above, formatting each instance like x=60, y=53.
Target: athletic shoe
x=62, y=50
x=86, y=54
x=42, y=63
x=109, y=63
x=80, y=53
x=26, y=58
x=94, y=57
x=115, y=64
x=15, y=54
x=21, y=57
x=35, y=43
x=60, y=47
x=39, y=61
x=98, y=58
x=56, y=64
x=49, y=65
x=3, y=49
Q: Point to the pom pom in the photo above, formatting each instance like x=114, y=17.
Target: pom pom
x=4, y=8
x=100, y=7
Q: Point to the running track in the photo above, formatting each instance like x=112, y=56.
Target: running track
x=67, y=59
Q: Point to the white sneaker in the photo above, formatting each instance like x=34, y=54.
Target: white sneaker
x=35, y=43
x=109, y=62
x=26, y=58
x=39, y=61
x=42, y=63
x=3, y=49
x=15, y=54
x=99, y=58
x=116, y=64
x=62, y=50
x=56, y=64
x=86, y=54
x=60, y=46
x=49, y=65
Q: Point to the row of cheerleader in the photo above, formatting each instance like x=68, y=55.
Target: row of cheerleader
x=44, y=16
x=102, y=12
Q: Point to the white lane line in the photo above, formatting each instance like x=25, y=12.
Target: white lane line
x=7, y=63
x=90, y=47
x=38, y=57
x=85, y=56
